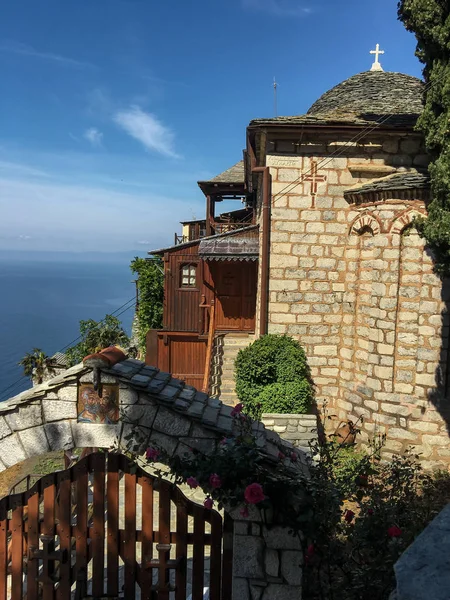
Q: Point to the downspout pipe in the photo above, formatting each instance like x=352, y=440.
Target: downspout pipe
x=266, y=218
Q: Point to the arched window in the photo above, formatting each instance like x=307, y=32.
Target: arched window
x=188, y=276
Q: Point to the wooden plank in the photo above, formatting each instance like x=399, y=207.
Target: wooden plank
x=33, y=543
x=198, y=559
x=164, y=543
x=98, y=466
x=181, y=550
x=81, y=528
x=49, y=493
x=227, y=557
x=16, y=505
x=64, y=529
x=113, y=525
x=147, y=538
x=215, y=575
x=129, y=546
x=3, y=548
x=209, y=348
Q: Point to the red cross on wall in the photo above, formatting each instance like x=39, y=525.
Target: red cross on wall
x=314, y=178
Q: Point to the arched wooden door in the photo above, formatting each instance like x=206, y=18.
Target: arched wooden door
x=107, y=529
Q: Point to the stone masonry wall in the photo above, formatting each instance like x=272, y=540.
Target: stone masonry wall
x=358, y=292
x=268, y=562
x=157, y=409
x=299, y=430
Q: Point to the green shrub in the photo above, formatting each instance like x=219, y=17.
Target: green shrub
x=291, y=397
x=272, y=375
x=349, y=466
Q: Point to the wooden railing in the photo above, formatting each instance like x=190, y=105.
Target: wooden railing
x=209, y=347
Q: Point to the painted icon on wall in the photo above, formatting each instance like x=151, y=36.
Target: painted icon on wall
x=95, y=409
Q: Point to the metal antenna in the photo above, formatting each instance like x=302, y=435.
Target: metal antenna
x=275, y=85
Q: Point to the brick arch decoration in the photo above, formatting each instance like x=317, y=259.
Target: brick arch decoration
x=402, y=221
x=365, y=221
x=156, y=408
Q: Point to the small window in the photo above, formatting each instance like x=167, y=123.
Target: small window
x=188, y=276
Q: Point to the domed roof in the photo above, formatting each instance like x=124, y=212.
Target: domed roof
x=372, y=94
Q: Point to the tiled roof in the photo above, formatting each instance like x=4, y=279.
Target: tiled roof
x=229, y=248
x=162, y=388
x=234, y=174
x=384, y=187
x=373, y=93
x=59, y=359
x=391, y=99
x=210, y=237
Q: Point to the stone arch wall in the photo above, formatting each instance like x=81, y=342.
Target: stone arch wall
x=398, y=327
x=158, y=409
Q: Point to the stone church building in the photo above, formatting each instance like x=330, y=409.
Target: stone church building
x=340, y=265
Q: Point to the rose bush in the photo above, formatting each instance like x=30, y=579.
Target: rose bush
x=356, y=514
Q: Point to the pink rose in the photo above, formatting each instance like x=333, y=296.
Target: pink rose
x=244, y=512
x=348, y=516
x=309, y=555
x=192, y=482
x=294, y=456
x=215, y=481
x=394, y=531
x=152, y=454
x=208, y=503
x=237, y=409
x=254, y=493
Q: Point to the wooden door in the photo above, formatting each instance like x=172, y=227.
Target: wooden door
x=106, y=516
x=235, y=291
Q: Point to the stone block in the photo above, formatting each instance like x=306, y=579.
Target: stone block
x=11, y=451
x=58, y=410
x=69, y=393
x=4, y=428
x=25, y=416
x=272, y=562
x=279, y=538
x=240, y=588
x=276, y=591
x=165, y=442
x=128, y=396
x=59, y=435
x=422, y=570
x=34, y=440
x=139, y=414
x=291, y=566
x=248, y=557
x=93, y=435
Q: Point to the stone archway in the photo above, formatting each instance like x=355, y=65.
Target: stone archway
x=155, y=408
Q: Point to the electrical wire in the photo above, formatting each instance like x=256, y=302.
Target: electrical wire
x=339, y=152
x=8, y=390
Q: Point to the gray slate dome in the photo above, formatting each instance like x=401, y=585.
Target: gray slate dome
x=372, y=94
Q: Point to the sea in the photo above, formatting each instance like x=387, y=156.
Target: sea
x=43, y=298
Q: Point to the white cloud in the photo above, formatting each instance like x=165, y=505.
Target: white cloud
x=279, y=8
x=74, y=217
x=12, y=168
x=94, y=136
x=147, y=129
x=25, y=50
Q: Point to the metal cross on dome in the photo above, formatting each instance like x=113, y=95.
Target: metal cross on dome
x=376, y=65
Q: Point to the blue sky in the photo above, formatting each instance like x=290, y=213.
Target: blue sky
x=111, y=110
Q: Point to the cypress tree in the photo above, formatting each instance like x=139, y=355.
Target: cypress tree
x=429, y=20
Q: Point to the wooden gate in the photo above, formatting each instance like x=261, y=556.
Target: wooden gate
x=107, y=529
